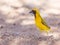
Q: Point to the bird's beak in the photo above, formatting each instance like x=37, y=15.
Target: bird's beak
x=31, y=11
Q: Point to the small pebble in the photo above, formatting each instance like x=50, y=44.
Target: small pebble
x=14, y=24
x=1, y=26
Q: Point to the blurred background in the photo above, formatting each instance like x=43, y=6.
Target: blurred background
x=17, y=26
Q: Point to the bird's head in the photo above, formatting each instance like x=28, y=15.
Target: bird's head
x=34, y=11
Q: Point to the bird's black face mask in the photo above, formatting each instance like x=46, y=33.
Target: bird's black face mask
x=33, y=12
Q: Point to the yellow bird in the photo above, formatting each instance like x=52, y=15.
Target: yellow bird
x=39, y=21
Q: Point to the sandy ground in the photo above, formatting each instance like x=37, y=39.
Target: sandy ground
x=17, y=26
x=21, y=32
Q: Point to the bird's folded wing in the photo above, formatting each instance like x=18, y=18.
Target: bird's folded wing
x=44, y=23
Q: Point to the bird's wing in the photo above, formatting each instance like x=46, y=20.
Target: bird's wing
x=44, y=23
